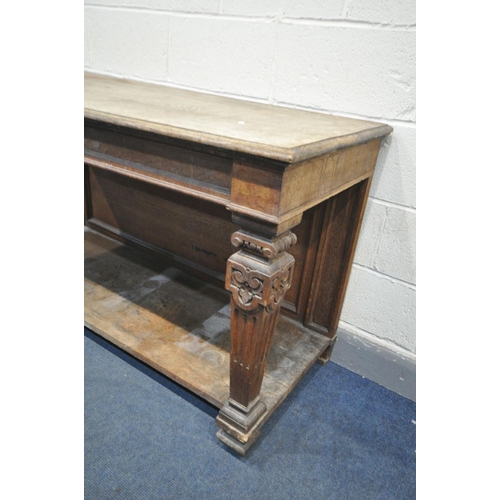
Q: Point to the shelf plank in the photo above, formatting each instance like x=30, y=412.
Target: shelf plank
x=179, y=325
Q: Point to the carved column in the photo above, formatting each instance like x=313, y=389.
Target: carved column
x=257, y=276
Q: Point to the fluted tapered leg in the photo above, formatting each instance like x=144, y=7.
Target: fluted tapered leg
x=258, y=277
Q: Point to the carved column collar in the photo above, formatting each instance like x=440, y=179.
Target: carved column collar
x=261, y=247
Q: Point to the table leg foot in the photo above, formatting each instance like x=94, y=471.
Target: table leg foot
x=325, y=356
x=236, y=445
x=239, y=422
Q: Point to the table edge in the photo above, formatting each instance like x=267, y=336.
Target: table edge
x=284, y=155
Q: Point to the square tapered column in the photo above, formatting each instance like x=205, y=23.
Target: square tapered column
x=258, y=277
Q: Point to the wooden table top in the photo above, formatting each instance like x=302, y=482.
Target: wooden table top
x=274, y=132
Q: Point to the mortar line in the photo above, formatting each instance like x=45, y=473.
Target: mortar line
x=349, y=23
x=388, y=277
x=342, y=23
x=392, y=204
x=196, y=15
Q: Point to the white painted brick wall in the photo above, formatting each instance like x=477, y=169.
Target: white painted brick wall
x=387, y=241
x=254, y=8
x=395, y=179
x=373, y=224
x=347, y=69
x=319, y=9
x=394, y=12
x=395, y=253
x=350, y=57
x=116, y=41
x=223, y=56
x=382, y=306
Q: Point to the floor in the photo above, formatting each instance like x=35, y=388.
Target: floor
x=337, y=436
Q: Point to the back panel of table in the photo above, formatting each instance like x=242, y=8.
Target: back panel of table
x=196, y=233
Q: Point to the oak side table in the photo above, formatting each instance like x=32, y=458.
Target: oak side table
x=191, y=264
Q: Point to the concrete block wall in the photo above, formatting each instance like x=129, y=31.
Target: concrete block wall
x=349, y=57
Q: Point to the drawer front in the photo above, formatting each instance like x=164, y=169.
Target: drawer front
x=176, y=165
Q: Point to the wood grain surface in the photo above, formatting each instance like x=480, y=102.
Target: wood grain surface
x=274, y=132
x=180, y=325
x=186, y=174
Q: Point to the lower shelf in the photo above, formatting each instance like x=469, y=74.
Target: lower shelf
x=179, y=325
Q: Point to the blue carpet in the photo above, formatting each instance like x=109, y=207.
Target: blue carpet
x=337, y=436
